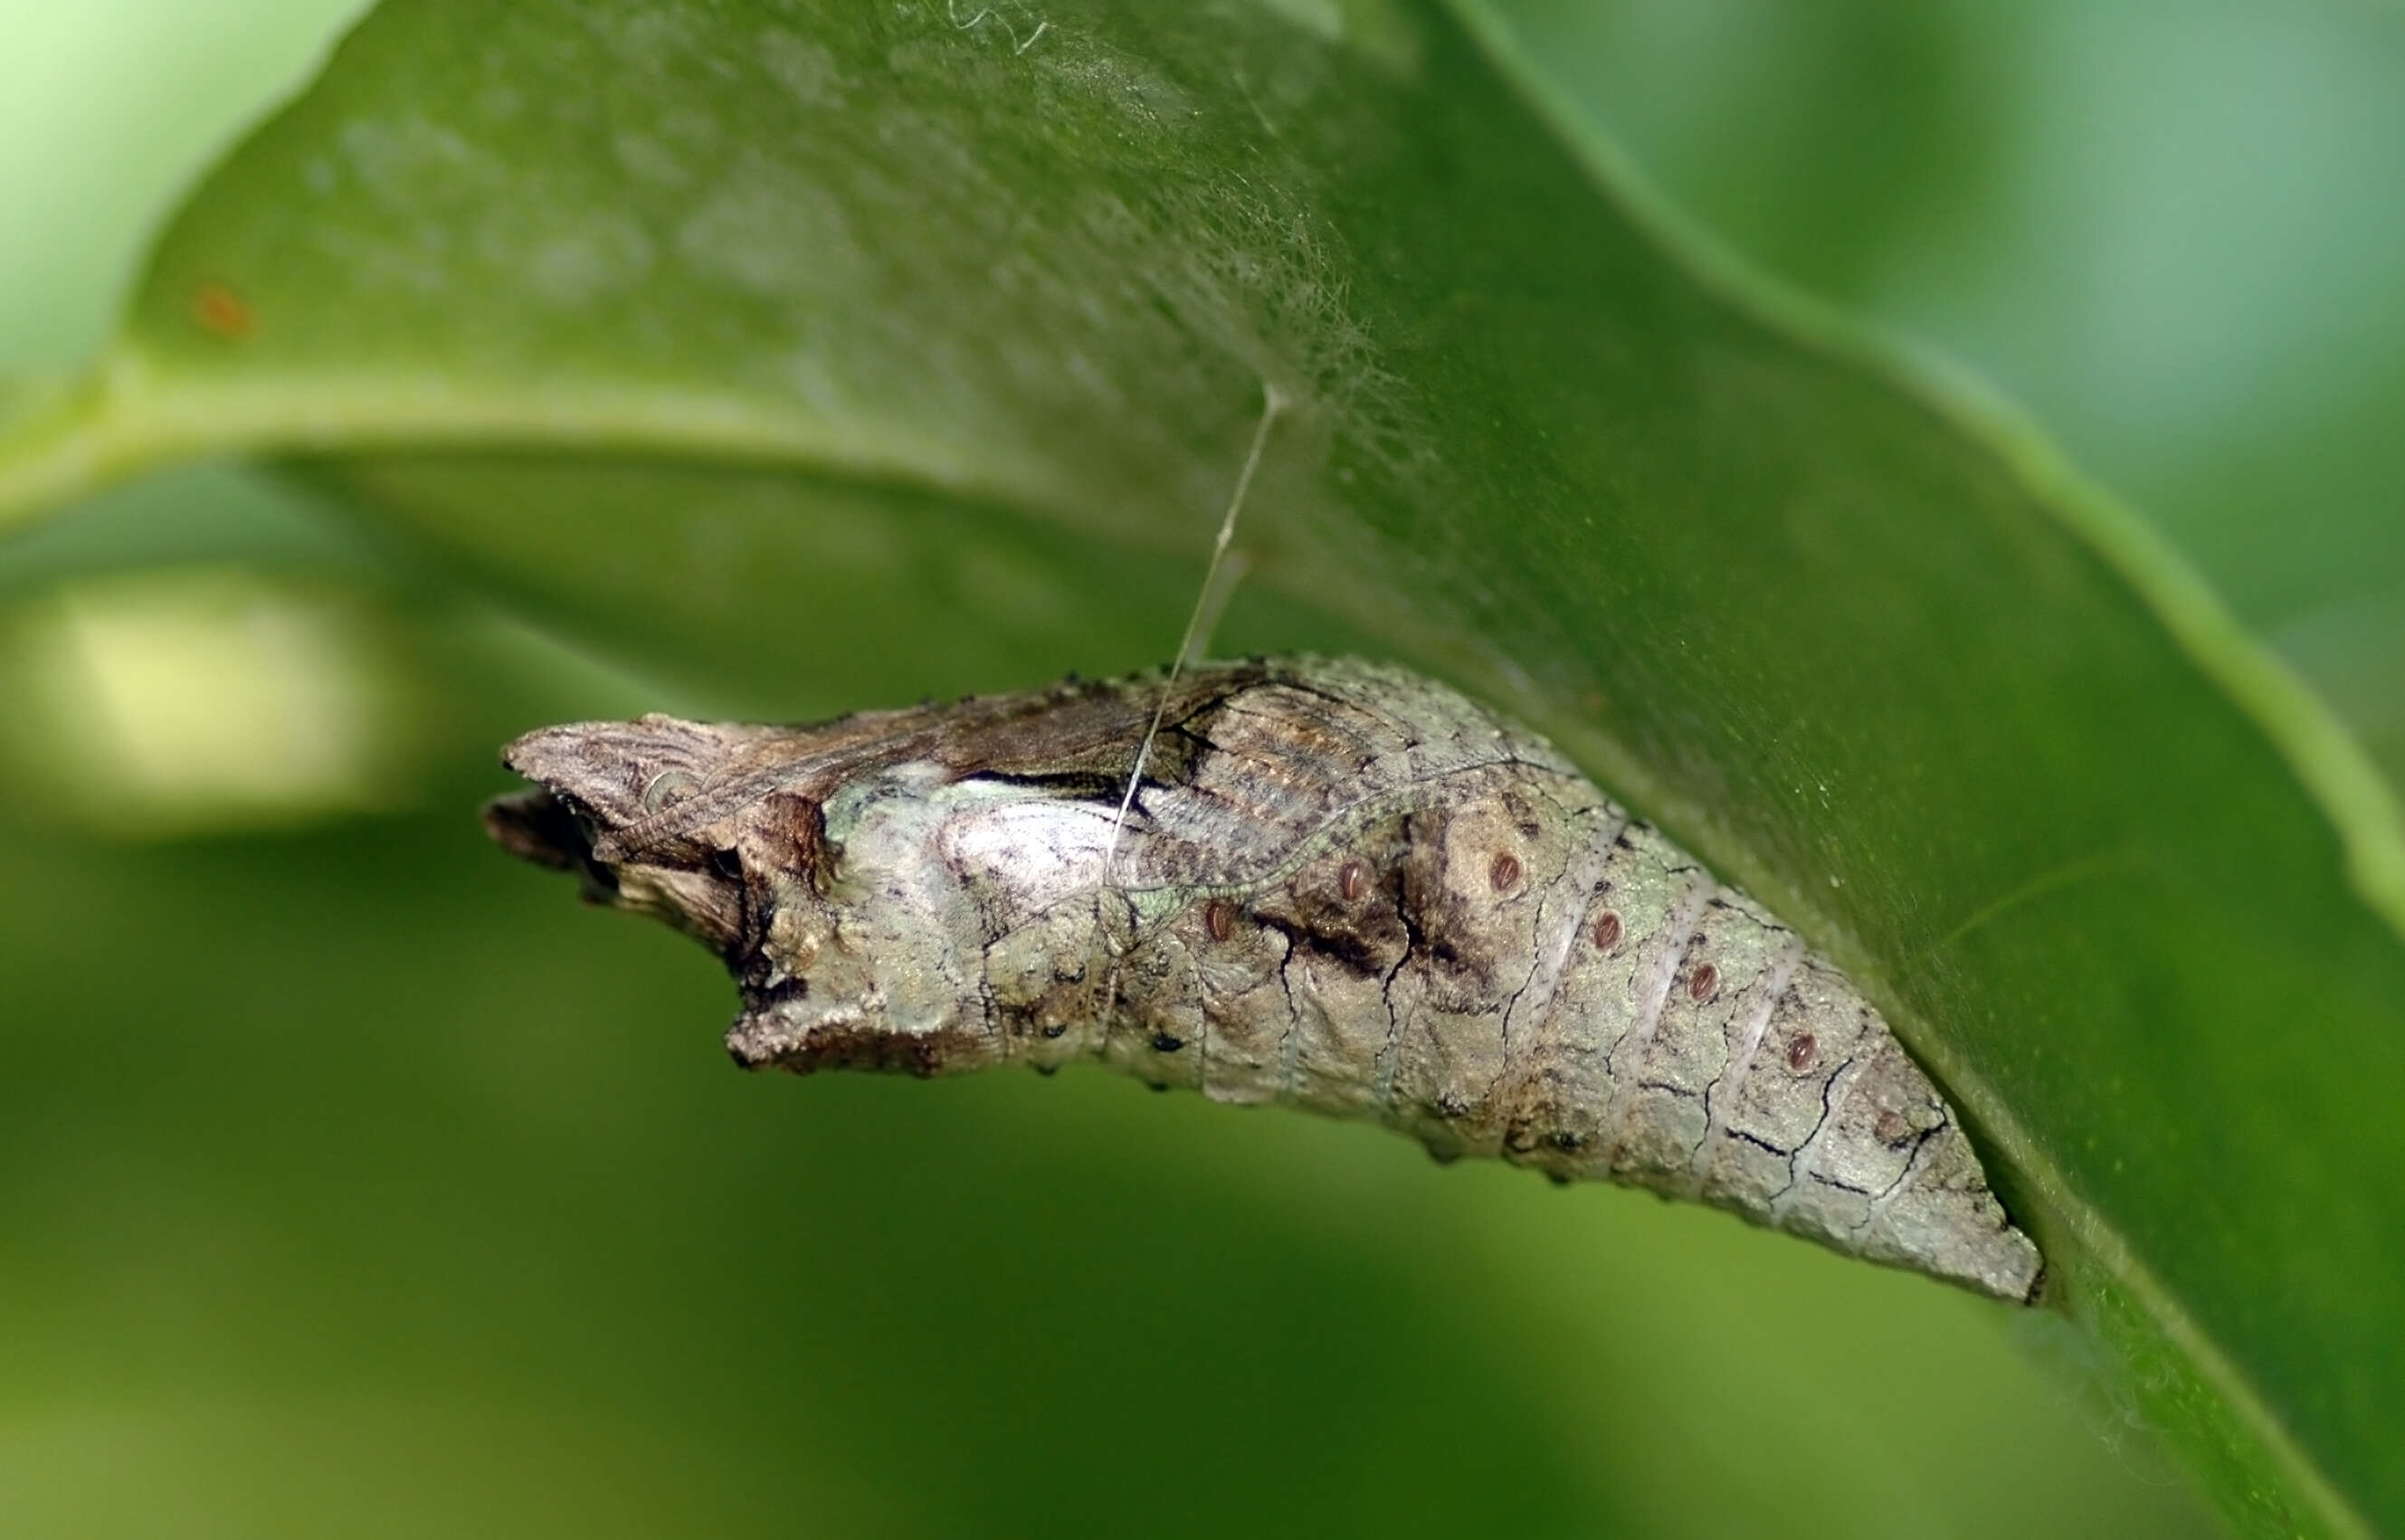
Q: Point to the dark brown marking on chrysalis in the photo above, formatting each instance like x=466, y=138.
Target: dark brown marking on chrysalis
x=921, y=892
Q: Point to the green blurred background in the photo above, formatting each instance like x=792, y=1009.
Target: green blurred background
x=353, y=1180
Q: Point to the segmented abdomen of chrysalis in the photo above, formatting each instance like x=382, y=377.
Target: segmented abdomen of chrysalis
x=1340, y=886
x=1472, y=944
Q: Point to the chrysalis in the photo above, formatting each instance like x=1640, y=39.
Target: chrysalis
x=1339, y=885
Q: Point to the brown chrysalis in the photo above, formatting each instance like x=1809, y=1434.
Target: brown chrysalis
x=1337, y=884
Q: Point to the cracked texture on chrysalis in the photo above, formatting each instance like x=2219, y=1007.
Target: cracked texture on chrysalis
x=1340, y=886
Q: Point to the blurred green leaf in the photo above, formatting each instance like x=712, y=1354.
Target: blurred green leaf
x=108, y=108
x=2172, y=232
x=437, y=1211
x=828, y=353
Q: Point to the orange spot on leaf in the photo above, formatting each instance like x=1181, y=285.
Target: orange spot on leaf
x=223, y=313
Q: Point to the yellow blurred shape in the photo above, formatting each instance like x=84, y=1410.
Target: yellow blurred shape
x=203, y=700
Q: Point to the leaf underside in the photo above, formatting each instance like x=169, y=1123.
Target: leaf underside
x=831, y=355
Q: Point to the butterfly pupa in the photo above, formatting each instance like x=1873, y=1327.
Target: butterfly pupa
x=1340, y=886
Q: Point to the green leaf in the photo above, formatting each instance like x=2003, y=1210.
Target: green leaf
x=826, y=352
x=2177, y=244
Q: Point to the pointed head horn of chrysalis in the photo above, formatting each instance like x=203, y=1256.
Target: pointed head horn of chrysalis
x=842, y=954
